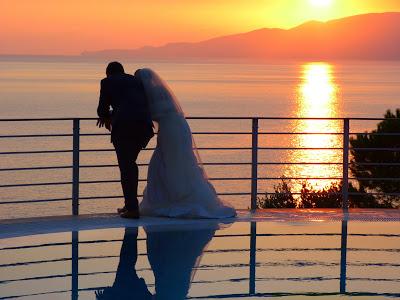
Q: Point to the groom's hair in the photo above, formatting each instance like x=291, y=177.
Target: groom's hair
x=114, y=68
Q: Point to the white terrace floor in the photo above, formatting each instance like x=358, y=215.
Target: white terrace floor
x=22, y=227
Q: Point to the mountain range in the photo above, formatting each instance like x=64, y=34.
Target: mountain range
x=368, y=36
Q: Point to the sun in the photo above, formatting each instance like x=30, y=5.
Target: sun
x=321, y=2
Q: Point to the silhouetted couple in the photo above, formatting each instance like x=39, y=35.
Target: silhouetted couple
x=177, y=185
x=172, y=255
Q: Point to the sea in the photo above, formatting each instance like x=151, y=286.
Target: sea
x=59, y=88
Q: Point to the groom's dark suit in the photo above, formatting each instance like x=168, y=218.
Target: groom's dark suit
x=127, y=284
x=131, y=126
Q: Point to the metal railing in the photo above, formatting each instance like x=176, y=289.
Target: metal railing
x=255, y=149
x=257, y=261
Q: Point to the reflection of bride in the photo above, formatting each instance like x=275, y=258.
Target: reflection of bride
x=172, y=255
x=177, y=185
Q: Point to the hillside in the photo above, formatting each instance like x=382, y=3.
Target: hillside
x=369, y=36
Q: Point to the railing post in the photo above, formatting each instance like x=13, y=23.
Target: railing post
x=254, y=163
x=345, y=185
x=75, y=168
x=343, y=258
x=75, y=265
x=253, y=247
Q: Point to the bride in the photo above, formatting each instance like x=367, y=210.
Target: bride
x=177, y=185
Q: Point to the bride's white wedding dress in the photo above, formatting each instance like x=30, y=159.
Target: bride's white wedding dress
x=177, y=185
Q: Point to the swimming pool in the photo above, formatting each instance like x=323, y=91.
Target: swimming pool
x=253, y=257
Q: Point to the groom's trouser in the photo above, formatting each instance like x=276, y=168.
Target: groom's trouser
x=127, y=149
x=127, y=282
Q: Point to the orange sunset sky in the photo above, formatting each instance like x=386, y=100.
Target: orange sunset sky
x=72, y=26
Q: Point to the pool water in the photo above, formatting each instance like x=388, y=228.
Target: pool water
x=207, y=260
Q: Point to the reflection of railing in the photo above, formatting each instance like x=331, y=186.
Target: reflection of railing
x=254, y=163
x=252, y=252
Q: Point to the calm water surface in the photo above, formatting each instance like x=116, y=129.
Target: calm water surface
x=289, y=261
x=298, y=89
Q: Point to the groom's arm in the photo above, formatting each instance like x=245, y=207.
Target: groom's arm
x=103, y=109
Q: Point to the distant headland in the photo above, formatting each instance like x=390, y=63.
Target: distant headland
x=373, y=36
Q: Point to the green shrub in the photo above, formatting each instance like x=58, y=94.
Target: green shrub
x=311, y=197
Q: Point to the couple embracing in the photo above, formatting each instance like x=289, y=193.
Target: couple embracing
x=177, y=185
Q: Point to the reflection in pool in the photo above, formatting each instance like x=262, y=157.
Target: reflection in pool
x=244, y=260
x=164, y=250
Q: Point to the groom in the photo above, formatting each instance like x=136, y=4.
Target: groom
x=131, y=128
x=127, y=284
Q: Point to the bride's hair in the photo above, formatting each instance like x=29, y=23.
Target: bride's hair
x=162, y=100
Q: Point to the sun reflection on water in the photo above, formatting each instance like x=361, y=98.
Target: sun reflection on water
x=316, y=97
